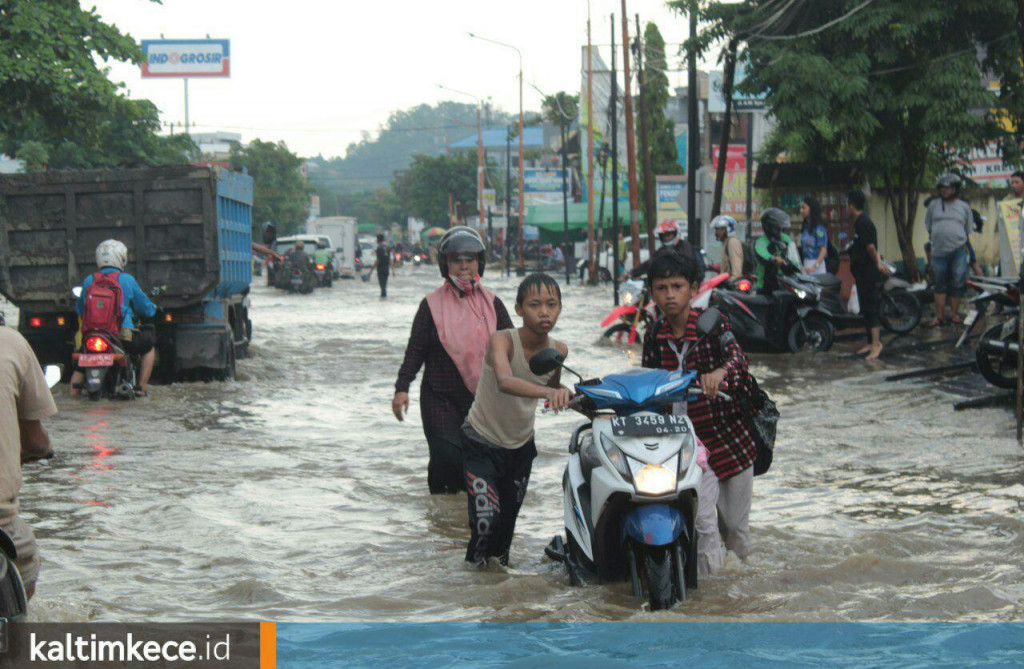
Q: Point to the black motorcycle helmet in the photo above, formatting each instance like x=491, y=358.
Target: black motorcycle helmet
x=460, y=239
x=949, y=181
x=773, y=221
x=13, y=603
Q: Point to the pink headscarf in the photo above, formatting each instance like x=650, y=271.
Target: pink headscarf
x=465, y=322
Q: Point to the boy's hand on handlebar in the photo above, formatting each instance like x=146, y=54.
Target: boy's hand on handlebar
x=558, y=398
x=710, y=383
x=400, y=405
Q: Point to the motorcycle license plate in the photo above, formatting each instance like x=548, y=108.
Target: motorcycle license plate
x=96, y=360
x=648, y=426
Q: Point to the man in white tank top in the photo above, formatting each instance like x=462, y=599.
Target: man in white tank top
x=497, y=438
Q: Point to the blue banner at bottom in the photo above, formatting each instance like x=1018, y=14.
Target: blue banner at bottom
x=607, y=645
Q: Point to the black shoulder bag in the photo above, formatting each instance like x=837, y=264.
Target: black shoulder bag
x=764, y=419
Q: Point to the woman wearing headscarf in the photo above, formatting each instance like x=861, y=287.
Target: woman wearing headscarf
x=813, y=237
x=449, y=336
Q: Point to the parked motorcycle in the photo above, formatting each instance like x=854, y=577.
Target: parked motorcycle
x=791, y=319
x=637, y=312
x=899, y=310
x=632, y=482
x=996, y=353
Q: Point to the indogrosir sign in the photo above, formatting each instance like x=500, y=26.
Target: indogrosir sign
x=186, y=58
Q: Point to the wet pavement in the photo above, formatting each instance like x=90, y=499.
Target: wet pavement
x=293, y=494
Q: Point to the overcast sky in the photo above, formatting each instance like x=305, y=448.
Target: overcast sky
x=319, y=73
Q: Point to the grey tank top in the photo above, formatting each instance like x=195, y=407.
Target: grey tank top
x=501, y=419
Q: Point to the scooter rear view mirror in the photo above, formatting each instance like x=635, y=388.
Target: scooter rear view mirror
x=52, y=374
x=546, y=361
x=709, y=321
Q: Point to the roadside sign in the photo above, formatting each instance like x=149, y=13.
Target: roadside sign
x=186, y=58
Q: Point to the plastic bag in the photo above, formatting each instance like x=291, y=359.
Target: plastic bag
x=853, y=306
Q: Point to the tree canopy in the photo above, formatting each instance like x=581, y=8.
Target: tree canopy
x=58, y=108
x=279, y=192
x=661, y=128
x=424, y=188
x=900, y=85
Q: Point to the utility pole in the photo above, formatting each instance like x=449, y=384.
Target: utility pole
x=645, y=148
x=634, y=195
x=591, y=249
x=508, y=199
x=693, y=130
x=565, y=196
x=615, y=173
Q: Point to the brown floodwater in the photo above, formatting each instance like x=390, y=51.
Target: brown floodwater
x=293, y=494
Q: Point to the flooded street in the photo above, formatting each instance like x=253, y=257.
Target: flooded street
x=293, y=494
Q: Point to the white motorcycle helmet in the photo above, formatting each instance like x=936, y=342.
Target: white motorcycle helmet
x=723, y=221
x=112, y=253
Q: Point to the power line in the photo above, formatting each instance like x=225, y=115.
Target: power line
x=817, y=30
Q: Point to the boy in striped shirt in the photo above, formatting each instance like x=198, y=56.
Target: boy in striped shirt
x=722, y=425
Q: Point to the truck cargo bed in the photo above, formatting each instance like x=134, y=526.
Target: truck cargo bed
x=187, y=229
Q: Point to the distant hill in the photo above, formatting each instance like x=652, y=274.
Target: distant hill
x=370, y=164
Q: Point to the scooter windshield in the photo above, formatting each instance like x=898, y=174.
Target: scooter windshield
x=638, y=390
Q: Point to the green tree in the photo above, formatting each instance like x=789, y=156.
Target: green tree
x=424, y=188
x=661, y=129
x=280, y=194
x=55, y=91
x=896, y=84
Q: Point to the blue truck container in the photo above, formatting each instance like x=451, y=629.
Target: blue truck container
x=189, y=236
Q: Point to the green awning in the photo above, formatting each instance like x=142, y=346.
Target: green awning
x=550, y=216
x=367, y=228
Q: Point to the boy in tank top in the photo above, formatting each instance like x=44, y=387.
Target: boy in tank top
x=497, y=437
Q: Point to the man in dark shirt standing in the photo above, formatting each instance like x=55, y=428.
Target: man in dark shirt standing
x=868, y=270
x=383, y=265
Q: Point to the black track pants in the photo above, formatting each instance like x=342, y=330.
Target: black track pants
x=382, y=279
x=496, y=480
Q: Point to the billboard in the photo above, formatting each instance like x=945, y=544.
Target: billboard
x=542, y=186
x=186, y=58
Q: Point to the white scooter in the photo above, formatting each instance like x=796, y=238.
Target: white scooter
x=632, y=482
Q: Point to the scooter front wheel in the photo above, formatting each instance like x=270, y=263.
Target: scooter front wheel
x=660, y=567
x=998, y=367
x=618, y=333
x=899, y=311
x=813, y=333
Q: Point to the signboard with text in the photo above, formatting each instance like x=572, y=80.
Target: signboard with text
x=186, y=58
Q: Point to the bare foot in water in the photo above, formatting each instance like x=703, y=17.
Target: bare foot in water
x=865, y=349
x=875, y=352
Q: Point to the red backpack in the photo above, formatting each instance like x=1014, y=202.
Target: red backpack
x=103, y=304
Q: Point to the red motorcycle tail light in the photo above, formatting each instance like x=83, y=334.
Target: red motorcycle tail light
x=35, y=322
x=97, y=345
x=321, y=267
x=744, y=285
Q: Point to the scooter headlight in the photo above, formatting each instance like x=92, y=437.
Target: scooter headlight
x=686, y=454
x=655, y=480
x=616, y=457
x=801, y=293
x=628, y=298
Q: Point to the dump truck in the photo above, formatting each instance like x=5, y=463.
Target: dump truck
x=188, y=231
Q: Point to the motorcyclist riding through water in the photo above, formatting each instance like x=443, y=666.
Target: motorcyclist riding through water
x=732, y=247
x=771, y=249
x=668, y=235
x=111, y=261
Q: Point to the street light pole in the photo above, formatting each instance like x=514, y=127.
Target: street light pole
x=520, y=268
x=479, y=152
